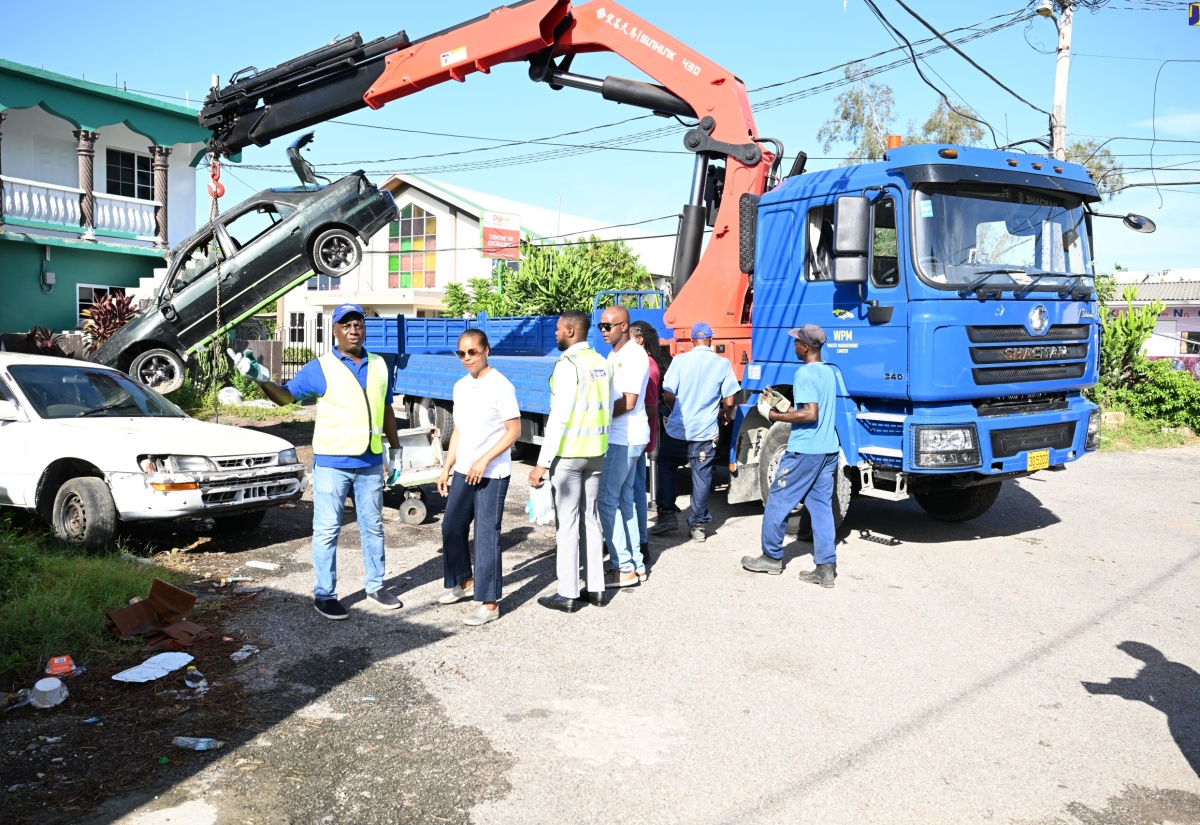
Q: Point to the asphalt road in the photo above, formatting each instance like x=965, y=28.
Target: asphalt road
x=1037, y=665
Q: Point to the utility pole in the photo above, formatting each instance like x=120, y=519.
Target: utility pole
x=1062, y=68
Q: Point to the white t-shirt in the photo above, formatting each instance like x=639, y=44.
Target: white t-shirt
x=630, y=370
x=481, y=406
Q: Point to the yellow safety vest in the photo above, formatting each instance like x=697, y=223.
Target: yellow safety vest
x=349, y=417
x=586, y=435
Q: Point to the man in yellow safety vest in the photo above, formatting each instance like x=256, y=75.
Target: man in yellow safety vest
x=354, y=413
x=575, y=441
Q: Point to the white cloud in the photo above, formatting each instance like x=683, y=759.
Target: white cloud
x=1180, y=124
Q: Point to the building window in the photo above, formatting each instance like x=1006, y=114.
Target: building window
x=130, y=175
x=412, y=250
x=323, y=283
x=320, y=328
x=1190, y=345
x=295, y=327
x=88, y=294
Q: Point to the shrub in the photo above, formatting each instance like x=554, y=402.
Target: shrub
x=248, y=387
x=298, y=355
x=103, y=318
x=1157, y=392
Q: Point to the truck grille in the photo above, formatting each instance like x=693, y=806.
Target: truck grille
x=1021, y=404
x=1007, y=443
x=1015, y=355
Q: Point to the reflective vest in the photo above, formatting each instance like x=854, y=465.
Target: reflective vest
x=586, y=434
x=349, y=417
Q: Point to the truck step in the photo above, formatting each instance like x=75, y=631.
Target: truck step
x=866, y=473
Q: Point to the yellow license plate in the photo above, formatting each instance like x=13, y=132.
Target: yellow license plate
x=1037, y=460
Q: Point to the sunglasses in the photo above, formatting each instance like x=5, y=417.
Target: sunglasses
x=470, y=353
x=607, y=327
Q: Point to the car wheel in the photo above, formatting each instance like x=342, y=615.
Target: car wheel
x=336, y=252
x=84, y=513
x=159, y=369
x=239, y=522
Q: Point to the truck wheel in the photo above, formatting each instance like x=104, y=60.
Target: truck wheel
x=84, y=513
x=238, y=522
x=774, y=445
x=429, y=413
x=335, y=252
x=960, y=505
x=159, y=369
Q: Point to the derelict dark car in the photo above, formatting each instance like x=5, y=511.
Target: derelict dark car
x=266, y=246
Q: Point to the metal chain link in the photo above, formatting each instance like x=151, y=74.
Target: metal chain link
x=216, y=343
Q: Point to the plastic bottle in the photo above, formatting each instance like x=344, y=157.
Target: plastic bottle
x=193, y=743
x=194, y=678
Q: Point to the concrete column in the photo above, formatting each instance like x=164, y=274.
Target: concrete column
x=86, y=150
x=159, y=155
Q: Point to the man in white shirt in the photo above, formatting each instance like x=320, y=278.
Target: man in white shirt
x=575, y=441
x=628, y=436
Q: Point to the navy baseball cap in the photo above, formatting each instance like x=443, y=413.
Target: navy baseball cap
x=701, y=330
x=347, y=309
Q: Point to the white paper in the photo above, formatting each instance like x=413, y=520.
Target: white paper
x=154, y=668
x=263, y=565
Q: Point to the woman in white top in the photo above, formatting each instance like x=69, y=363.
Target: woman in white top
x=486, y=423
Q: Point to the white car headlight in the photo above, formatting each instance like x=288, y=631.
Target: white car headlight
x=946, y=447
x=288, y=456
x=192, y=463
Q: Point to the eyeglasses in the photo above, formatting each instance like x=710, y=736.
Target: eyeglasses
x=471, y=353
x=605, y=326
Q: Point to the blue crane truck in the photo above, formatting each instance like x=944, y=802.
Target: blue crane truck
x=955, y=285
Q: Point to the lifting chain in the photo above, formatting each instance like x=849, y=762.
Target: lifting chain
x=215, y=191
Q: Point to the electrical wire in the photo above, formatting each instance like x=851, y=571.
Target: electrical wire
x=1154, y=120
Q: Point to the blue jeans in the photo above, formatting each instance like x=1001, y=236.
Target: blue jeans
x=639, y=499
x=482, y=503
x=616, y=496
x=699, y=456
x=331, y=485
x=807, y=478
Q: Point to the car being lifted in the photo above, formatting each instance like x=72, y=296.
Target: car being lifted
x=264, y=247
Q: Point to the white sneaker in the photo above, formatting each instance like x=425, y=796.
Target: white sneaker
x=457, y=594
x=482, y=616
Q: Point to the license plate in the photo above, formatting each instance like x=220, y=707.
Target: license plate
x=1037, y=460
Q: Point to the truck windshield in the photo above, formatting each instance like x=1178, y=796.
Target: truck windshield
x=79, y=392
x=1000, y=237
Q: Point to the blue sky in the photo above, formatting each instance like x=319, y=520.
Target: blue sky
x=1118, y=52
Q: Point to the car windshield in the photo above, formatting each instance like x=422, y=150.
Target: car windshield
x=72, y=391
x=1002, y=237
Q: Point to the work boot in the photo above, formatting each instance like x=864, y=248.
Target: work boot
x=763, y=564
x=824, y=574
x=665, y=524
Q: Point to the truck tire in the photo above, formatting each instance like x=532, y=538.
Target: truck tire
x=84, y=513
x=429, y=413
x=335, y=252
x=960, y=505
x=159, y=369
x=773, y=447
x=238, y=522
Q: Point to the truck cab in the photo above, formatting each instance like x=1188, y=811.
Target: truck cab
x=955, y=286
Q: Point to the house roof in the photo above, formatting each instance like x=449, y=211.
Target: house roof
x=1171, y=292
x=92, y=106
x=655, y=253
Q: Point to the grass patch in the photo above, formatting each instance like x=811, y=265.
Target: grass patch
x=53, y=598
x=1136, y=434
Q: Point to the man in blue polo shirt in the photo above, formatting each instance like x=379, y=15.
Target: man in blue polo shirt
x=354, y=412
x=700, y=390
x=808, y=466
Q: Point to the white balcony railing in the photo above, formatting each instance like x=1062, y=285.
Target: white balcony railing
x=43, y=203
x=128, y=216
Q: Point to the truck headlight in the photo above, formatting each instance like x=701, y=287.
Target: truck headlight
x=288, y=456
x=945, y=447
x=192, y=464
x=1093, y=432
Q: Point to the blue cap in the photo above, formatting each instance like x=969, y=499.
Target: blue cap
x=346, y=309
x=701, y=330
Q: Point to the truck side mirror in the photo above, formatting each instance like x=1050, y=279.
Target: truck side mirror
x=852, y=225
x=850, y=269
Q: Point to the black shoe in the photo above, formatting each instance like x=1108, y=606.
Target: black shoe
x=824, y=574
x=763, y=563
x=594, y=599
x=560, y=603
x=665, y=524
x=331, y=609
x=385, y=599
x=646, y=555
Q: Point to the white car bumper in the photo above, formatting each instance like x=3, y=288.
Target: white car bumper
x=155, y=496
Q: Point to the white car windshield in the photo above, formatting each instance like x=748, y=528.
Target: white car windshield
x=72, y=391
x=1000, y=236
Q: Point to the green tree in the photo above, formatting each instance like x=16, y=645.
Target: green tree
x=944, y=125
x=862, y=117
x=1105, y=169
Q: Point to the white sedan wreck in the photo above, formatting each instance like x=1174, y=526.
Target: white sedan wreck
x=86, y=447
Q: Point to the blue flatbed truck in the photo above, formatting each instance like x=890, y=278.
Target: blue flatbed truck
x=955, y=285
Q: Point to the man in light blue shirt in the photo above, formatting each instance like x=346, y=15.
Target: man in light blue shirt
x=808, y=466
x=700, y=389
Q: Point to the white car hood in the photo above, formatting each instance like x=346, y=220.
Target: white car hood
x=174, y=436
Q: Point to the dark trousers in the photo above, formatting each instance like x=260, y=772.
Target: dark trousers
x=482, y=503
x=699, y=456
